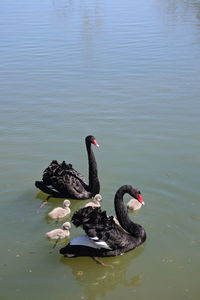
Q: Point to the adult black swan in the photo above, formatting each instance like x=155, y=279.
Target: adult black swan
x=104, y=237
x=62, y=181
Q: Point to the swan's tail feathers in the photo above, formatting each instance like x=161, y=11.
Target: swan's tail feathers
x=39, y=184
x=46, y=189
x=94, y=221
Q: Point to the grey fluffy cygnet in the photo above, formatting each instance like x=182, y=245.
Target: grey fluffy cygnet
x=95, y=202
x=134, y=204
x=60, y=212
x=60, y=233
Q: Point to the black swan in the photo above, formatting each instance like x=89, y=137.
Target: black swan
x=62, y=181
x=104, y=237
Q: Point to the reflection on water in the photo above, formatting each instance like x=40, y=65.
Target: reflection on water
x=88, y=23
x=62, y=10
x=91, y=27
x=98, y=281
x=53, y=202
x=183, y=9
x=127, y=72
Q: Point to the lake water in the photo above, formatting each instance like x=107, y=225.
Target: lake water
x=127, y=72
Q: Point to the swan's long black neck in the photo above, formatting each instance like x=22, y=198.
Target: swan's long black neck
x=134, y=229
x=94, y=185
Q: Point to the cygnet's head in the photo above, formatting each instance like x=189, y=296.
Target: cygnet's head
x=97, y=197
x=134, y=204
x=66, y=203
x=66, y=226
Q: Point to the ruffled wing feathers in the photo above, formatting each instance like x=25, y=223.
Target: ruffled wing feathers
x=99, y=227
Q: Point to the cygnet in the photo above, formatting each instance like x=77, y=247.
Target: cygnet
x=58, y=234
x=60, y=212
x=95, y=202
x=134, y=204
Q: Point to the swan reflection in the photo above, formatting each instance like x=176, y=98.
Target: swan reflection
x=97, y=280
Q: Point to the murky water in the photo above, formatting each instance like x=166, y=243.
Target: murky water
x=127, y=72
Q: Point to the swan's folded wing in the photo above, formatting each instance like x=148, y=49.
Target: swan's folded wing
x=76, y=184
x=84, y=240
x=76, y=175
x=55, y=170
x=63, y=172
x=65, y=180
x=100, y=228
x=108, y=238
x=75, y=187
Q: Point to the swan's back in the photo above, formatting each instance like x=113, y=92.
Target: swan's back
x=62, y=180
x=105, y=237
x=58, y=174
x=101, y=228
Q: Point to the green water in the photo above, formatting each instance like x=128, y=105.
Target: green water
x=127, y=72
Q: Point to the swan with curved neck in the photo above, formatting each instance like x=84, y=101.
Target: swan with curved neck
x=103, y=236
x=62, y=181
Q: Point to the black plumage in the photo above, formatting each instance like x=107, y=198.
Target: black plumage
x=62, y=180
x=104, y=236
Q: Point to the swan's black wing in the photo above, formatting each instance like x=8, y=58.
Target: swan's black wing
x=63, y=181
x=101, y=229
x=61, y=170
x=72, y=185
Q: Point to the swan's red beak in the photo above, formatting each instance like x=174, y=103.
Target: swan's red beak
x=95, y=143
x=140, y=199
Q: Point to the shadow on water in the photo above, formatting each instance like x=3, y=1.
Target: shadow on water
x=98, y=280
x=54, y=202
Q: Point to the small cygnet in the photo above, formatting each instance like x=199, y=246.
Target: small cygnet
x=95, y=202
x=58, y=234
x=134, y=204
x=60, y=212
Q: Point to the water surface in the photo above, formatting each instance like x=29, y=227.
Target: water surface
x=127, y=72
